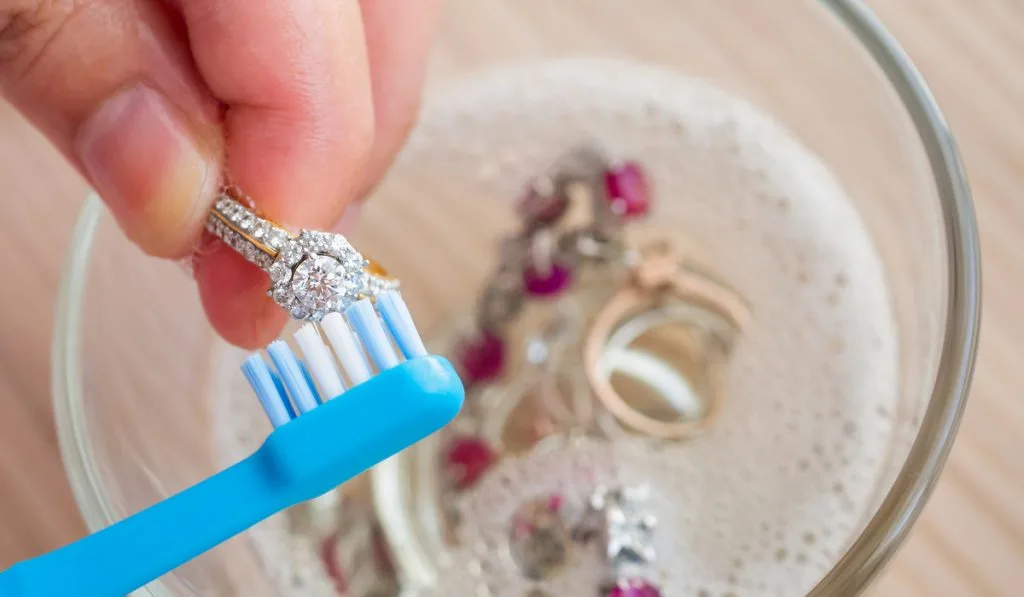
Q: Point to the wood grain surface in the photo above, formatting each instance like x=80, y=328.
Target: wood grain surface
x=970, y=542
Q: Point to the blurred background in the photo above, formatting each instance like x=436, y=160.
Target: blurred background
x=971, y=538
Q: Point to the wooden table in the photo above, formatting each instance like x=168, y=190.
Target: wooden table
x=970, y=541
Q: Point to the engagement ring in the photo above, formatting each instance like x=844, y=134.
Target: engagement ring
x=312, y=273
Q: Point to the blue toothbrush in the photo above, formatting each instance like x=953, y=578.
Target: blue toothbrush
x=387, y=400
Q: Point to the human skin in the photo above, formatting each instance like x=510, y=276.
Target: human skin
x=301, y=103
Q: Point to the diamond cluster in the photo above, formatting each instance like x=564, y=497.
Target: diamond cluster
x=311, y=274
x=620, y=517
x=628, y=526
x=318, y=273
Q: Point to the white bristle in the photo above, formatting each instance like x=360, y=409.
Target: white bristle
x=320, y=361
x=347, y=348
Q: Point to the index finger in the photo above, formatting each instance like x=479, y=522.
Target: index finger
x=293, y=76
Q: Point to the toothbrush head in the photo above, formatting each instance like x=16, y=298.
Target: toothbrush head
x=372, y=393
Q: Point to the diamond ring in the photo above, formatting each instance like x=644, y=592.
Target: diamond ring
x=312, y=273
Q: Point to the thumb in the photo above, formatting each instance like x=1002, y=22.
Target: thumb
x=112, y=85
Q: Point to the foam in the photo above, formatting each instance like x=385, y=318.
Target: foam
x=767, y=502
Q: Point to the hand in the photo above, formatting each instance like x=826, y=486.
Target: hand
x=303, y=102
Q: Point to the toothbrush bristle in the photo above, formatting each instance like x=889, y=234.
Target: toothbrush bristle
x=320, y=361
x=396, y=316
x=366, y=336
x=283, y=393
x=292, y=375
x=366, y=324
x=261, y=379
x=347, y=348
x=310, y=383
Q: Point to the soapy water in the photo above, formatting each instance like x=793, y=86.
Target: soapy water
x=811, y=424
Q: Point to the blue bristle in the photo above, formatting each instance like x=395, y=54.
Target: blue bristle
x=310, y=382
x=284, y=393
x=395, y=314
x=261, y=379
x=366, y=324
x=291, y=374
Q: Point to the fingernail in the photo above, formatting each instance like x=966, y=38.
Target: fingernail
x=147, y=165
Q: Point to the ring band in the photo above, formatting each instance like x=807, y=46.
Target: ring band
x=312, y=273
x=655, y=279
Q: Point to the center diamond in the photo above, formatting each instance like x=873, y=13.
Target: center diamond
x=320, y=284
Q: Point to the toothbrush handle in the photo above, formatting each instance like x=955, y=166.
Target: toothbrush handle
x=117, y=560
x=299, y=461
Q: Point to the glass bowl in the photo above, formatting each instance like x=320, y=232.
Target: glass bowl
x=697, y=92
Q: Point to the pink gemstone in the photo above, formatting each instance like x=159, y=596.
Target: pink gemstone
x=482, y=357
x=634, y=588
x=521, y=529
x=329, y=556
x=549, y=283
x=467, y=459
x=628, y=190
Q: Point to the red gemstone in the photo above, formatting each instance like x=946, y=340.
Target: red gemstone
x=329, y=556
x=549, y=283
x=628, y=190
x=634, y=588
x=482, y=357
x=467, y=458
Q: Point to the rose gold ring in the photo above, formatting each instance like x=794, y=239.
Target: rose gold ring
x=657, y=280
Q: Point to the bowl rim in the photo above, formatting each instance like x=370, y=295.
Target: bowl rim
x=903, y=503
x=917, y=478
